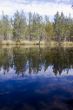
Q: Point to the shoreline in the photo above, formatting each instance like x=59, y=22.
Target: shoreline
x=36, y=43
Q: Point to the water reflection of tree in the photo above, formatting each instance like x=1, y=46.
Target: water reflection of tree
x=20, y=60
x=62, y=60
x=6, y=60
x=34, y=59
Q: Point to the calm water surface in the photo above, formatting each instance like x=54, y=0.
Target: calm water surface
x=36, y=78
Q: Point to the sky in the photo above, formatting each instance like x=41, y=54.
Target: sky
x=42, y=7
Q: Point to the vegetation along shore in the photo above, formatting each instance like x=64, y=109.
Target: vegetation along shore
x=33, y=29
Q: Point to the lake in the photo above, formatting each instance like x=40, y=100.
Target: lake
x=36, y=78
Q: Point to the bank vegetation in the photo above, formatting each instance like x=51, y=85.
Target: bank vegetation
x=33, y=29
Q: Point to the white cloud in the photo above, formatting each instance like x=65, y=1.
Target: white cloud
x=49, y=8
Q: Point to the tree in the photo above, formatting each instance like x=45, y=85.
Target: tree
x=57, y=26
x=19, y=26
x=5, y=27
x=49, y=29
x=35, y=27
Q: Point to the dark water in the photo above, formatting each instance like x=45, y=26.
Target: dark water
x=36, y=78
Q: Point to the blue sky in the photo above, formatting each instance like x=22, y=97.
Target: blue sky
x=43, y=7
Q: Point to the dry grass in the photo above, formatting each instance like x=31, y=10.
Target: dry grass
x=36, y=43
x=22, y=42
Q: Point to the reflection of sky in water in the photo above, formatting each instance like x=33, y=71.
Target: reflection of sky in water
x=11, y=73
x=54, y=93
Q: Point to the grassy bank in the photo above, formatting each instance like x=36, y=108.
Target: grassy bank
x=36, y=43
x=22, y=42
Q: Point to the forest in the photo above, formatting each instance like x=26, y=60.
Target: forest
x=33, y=27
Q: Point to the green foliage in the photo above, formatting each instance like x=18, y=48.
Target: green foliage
x=35, y=27
x=49, y=30
x=4, y=27
x=19, y=25
x=62, y=27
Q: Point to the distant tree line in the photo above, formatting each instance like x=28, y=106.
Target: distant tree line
x=36, y=27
